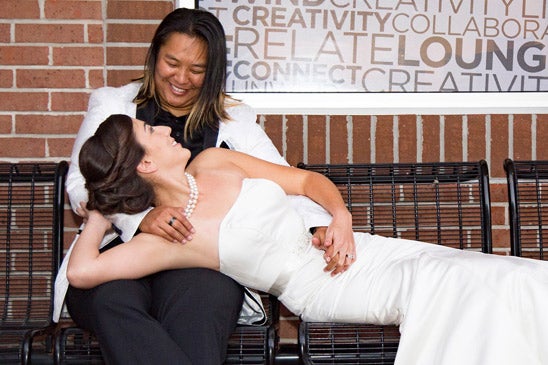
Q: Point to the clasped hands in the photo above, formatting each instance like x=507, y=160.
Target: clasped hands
x=338, y=246
x=336, y=241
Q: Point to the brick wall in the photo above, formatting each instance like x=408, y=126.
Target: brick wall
x=54, y=52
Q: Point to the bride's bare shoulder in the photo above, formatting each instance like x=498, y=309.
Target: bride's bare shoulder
x=213, y=160
x=214, y=157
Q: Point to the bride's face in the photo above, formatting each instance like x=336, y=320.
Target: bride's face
x=159, y=145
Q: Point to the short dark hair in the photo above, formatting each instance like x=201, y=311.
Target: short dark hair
x=108, y=161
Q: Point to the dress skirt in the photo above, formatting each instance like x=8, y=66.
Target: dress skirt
x=452, y=306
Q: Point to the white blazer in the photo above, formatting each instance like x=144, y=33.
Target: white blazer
x=241, y=133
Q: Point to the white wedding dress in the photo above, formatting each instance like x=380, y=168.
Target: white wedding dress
x=453, y=307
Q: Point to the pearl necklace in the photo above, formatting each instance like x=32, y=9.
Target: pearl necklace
x=193, y=196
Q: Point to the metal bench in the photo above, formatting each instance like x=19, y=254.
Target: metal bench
x=31, y=241
x=441, y=203
x=528, y=207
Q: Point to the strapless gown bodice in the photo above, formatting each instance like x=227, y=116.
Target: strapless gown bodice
x=264, y=245
x=262, y=239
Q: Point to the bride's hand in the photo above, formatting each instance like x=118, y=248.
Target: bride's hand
x=339, y=240
x=93, y=217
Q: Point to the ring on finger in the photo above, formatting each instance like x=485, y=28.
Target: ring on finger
x=171, y=221
x=350, y=256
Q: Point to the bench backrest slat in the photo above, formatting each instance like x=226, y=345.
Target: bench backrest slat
x=441, y=203
x=528, y=207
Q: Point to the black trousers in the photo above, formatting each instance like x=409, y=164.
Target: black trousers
x=173, y=317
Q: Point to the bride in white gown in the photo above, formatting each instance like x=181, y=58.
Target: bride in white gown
x=453, y=307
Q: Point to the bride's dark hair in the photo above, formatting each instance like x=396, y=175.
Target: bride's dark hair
x=108, y=161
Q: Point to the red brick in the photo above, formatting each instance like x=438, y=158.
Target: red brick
x=476, y=138
x=73, y=9
x=542, y=137
x=338, y=139
x=294, y=138
x=5, y=33
x=24, y=55
x=47, y=124
x=122, y=77
x=71, y=220
x=17, y=9
x=431, y=138
x=289, y=324
x=522, y=136
x=273, y=128
x=6, y=78
x=501, y=238
x=5, y=124
x=453, y=138
x=22, y=147
x=498, y=192
x=23, y=101
x=68, y=237
x=498, y=215
x=499, y=144
x=95, y=33
x=361, y=143
x=69, y=101
x=289, y=330
x=46, y=33
x=97, y=80
x=131, y=33
x=51, y=78
x=316, y=139
x=78, y=56
x=407, y=140
x=126, y=56
x=384, y=139
x=60, y=147
x=286, y=313
x=125, y=9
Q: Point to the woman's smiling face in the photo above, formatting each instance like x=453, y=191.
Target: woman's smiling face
x=180, y=72
x=158, y=144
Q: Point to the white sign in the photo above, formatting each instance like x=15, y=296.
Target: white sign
x=385, y=45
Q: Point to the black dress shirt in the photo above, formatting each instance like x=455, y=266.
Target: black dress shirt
x=152, y=114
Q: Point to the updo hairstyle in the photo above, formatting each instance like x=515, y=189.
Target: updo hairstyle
x=108, y=161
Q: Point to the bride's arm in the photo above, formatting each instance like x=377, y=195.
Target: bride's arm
x=143, y=255
x=293, y=180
